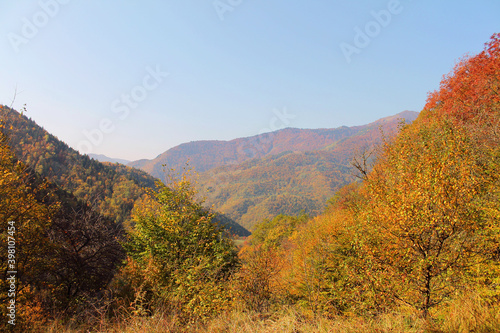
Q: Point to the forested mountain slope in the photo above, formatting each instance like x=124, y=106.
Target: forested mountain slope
x=421, y=230
x=293, y=182
x=206, y=155
x=113, y=188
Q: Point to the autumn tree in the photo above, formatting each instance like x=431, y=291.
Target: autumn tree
x=64, y=251
x=469, y=96
x=470, y=93
x=180, y=257
x=274, y=233
x=261, y=283
x=25, y=220
x=425, y=221
x=113, y=187
x=86, y=253
x=328, y=275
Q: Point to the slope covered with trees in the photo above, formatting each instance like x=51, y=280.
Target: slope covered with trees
x=413, y=245
x=177, y=256
x=421, y=230
x=62, y=251
x=206, y=155
x=293, y=182
x=111, y=187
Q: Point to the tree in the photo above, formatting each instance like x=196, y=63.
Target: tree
x=273, y=233
x=424, y=221
x=261, y=282
x=471, y=92
x=183, y=257
x=64, y=250
x=25, y=219
x=327, y=273
x=86, y=252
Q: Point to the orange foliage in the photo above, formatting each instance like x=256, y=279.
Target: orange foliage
x=472, y=88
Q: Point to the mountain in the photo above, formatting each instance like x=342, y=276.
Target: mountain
x=206, y=155
x=296, y=181
x=110, y=188
x=104, y=158
x=247, y=179
x=290, y=171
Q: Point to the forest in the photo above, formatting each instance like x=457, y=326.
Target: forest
x=410, y=244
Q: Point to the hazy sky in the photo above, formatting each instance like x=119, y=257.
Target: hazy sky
x=131, y=79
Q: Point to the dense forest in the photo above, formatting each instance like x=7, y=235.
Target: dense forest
x=412, y=245
x=111, y=187
x=296, y=181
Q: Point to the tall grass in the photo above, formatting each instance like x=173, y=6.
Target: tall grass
x=466, y=314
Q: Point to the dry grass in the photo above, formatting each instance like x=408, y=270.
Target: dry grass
x=288, y=321
x=293, y=322
x=467, y=314
x=470, y=313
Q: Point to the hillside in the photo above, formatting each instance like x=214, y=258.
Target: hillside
x=248, y=179
x=404, y=239
x=419, y=233
x=206, y=155
x=113, y=188
x=293, y=182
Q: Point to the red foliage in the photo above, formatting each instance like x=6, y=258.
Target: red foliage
x=472, y=88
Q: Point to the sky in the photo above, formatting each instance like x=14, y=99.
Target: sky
x=131, y=79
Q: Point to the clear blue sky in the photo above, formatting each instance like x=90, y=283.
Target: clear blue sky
x=80, y=65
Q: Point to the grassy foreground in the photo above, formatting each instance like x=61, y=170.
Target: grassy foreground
x=469, y=314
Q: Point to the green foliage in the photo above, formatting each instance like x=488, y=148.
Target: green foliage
x=272, y=233
x=183, y=257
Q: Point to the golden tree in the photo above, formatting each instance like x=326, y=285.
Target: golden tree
x=425, y=219
x=25, y=247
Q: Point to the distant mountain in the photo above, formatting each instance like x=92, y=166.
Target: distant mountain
x=293, y=182
x=104, y=158
x=290, y=171
x=206, y=155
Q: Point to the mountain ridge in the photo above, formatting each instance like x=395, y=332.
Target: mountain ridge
x=112, y=188
x=290, y=171
x=104, y=158
x=204, y=155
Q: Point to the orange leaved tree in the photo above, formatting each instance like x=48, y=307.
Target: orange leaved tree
x=425, y=220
